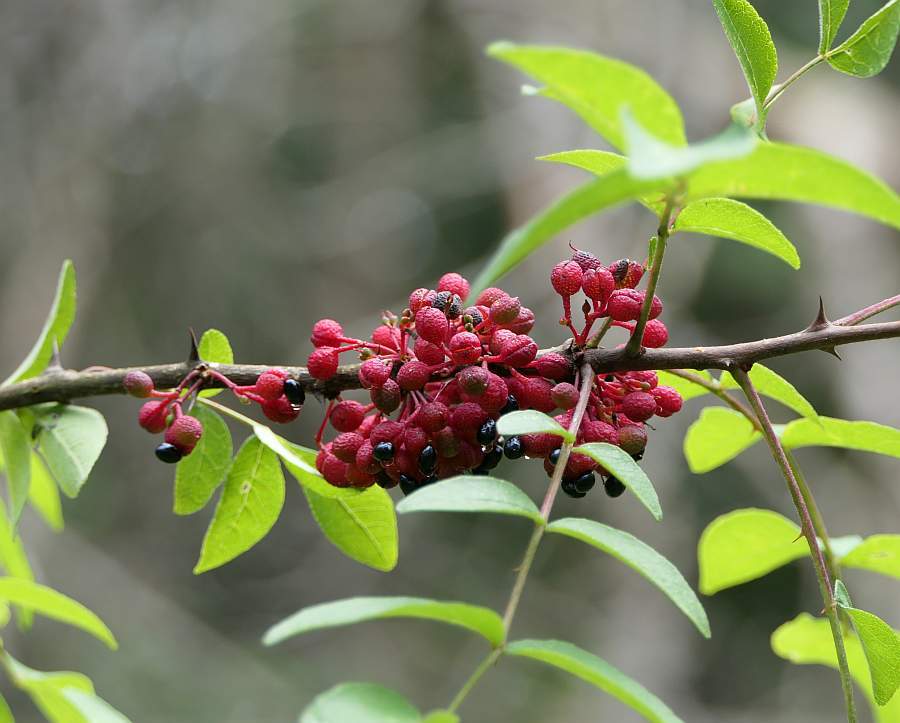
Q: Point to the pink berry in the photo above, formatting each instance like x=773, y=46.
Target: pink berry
x=335, y=471
x=597, y=431
x=489, y=296
x=668, y=400
x=537, y=395
x=431, y=324
x=374, y=373
x=473, y=381
x=346, y=445
x=598, y=284
x=323, y=363
x=327, y=332
x=184, y=433
x=429, y=353
x=519, y=351
x=138, y=384
x=632, y=439
x=387, y=397
x=655, y=334
x=566, y=278
x=413, y=375
x=552, y=366
x=639, y=406
x=627, y=273
x=505, y=310
x=346, y=416
x=433, y=416
x=280, y=410
x=523, y=323
x=564, y=395
x=386, y=336
x=455, y=284
x=152, y=417
x=466, y=418
x=625, y=304
x=270, y=384
x=465, y=348
x=420, y=298
x=494, y=397
x=386, y=431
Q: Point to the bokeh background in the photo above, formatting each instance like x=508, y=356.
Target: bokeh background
x=255, y=166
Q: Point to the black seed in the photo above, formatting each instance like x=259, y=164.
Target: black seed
x=513, y=448
x=609, y=378
x=568, y=486
x=407, y=484
x=488, y=432
x=585, y=483
x=383, y=451
x=455, y=307
x=383, y=479
x=554, y=455
x=430, y=480
x=476, y=317
x=638, y=456
x=293, y=390
x=491, y=459
x=428, y=459
x=441, y=300
x=613, y=486
x=512, y=405
x=168, y=453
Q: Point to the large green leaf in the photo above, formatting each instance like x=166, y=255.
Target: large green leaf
x=598, y=672
x=752, y=43
x=686, y=388
x=472, y=493
x=56, y=327
x=727, y=218
x=640, y=557
x=881, y=645
x=717, y=437
x=478, y=619
x=214, y=347
x=43, y=494
x=774, y=386
x=52, y=604
x=92, y=707
x=878, y=553
x=16, y=450
x=746, y=544
x=831, y=15
x=861, y=436
x=597, y=88
x=301, y=463
x=6, y=715
x=70, y=439
x=868, y=50
x=608, y=190
x=530, y=421
x=248, y=508
x=360, y=703
x=198, y=475
x=14, y=560
x=619, y=463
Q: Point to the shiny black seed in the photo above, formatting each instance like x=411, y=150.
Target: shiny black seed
x=491, y=459
x=585, y=483
x=293, y=390
x=168, y=453
x=383, y=479
x=613, y=486
x=554, y=455
x=512, y=405
x=455, y=307
x=637, y=457
x=441, y=300
x=383, y=451
x=428, y=459
x=407, y=484
x=430, y=480
x=568, y=486
x=488, y=432
x=609, y=378
x=513, y=448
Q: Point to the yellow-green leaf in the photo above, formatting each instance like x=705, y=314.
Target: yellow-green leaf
x=773, y=385
x=830, y=432
x=214, y=347
x=868, y=50
x=717, y=437
x=878, y=553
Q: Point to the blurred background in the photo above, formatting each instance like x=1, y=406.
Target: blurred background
x=255, y=166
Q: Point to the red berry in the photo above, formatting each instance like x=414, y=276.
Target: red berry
x=359, y=478
x=597, y=431
x=346, y=445
x=656, y=307
x=446, y=443
x=626, y=272
x=374, y=373
x=539, y=445
x=473, y=381
x=668, y=400
x=578, y=465
x=639, y=406
x=420, y=298
x=537, y=395
x=138, y=384
x=524, y=321
x=346, y=416
x=432, y=416
x=566, y=278
x=499, y=338
x=625, y=304
x=429, y=353
x=364, y=459
x=655, y=334
x=386, y=397
x=152, y=417
x=466, y=418
x=184, y=433
x=335, y=471
x=505, y=310
x=280, y=410
x=455, y=284
x=270, y=384
x=415, y=439
x=386, y=431
x=387, y=336
x=564, y=395
x=327, y=332
x=632, y=439
x=489, y=296
x=413, y=375
x=519, y=351
x=552, y=366
x=431, y=324
x=598, y=284
x=494, y=397
x=465, y=348
x=323, y=363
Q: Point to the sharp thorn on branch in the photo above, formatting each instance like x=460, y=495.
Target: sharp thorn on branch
x=821, y=321
x=194, y=353
x=831, y=350
x=55, y=364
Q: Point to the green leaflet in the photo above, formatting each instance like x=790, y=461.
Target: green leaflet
x=471, y=493
x=686, y=388
x=831, y=15
x=301, y=463
x=248, y=508
x=16, y=450
x=15, y=561
x=640, y=557
x=56, y=328
x=830, y=432
x=878, y=553
x=597, y=672
x=774, y=386
x=619, y=463
x=198, y=475
x=43, y=494
x=530, y=421
x=441, y=716
x=717, y=437
x=597, y=88
x=360, y=703
x=477, y=619
x=868, y=50
x=214, y=347
x=881, y=646
x=70, y=439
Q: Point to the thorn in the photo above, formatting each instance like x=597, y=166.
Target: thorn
x=55, y=364
x=831, y=350
x=821, y=321
x=194, y=353
x=797, y=538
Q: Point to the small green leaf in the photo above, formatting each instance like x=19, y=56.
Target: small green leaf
x=214, y=347
x=530, y=421
x=861, y=436
x=46, y=689
x=844, y=545
x=360, y=703
x=640, y=557
x=882, y=648
x=70, y=439
x=248, y=508
x=841, y=594
x=6, y=715
x=301, y=463
x=752, y=43
x=620, y=464
x=727, y=218
x=56, y=328
x=15, y=561
x=43, y=494
x=198, y=475
x=687, y=389
x=774, y=386
x=831, y=15
x=441, y=716
x=598, y=672
x=93, y=708
x=471, y=493
x=744, y=545
x=744, y=113
x=16, y=449
x=53, y=604
x=717, y=437
x=477, y=619
x=868, y=50
x=878, y=553
x=597, y=88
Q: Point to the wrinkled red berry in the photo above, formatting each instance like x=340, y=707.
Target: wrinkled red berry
x=323, y=363
x=327, y=332
x=566, y=278
x=346, y=416
x=270, y=384
x=455, y=284
x=184, y=433
x=431, y=324
x=138, y=384
x=639, y=406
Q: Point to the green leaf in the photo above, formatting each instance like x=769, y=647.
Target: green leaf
x=301, y=463
x=878, y=553
x=477, y=619
x=717, y=437
x=471, y=493
x=598, y=672
x=360, y=703
x=841, y=594
x=597, y=88
x=6, y=715
x=620, y=464
x=441, y=716
x=641, y=558
x=46, y=689
x=868, y=50
x=845, y=544
x=43, y=494
x=56, y=328
x=752, y=43
x=726, y=218
x=687, y=389
x=774, y=386
x=92, y=707
x=530, y=421
x=831, y=15
x=70, y=439
x=53, y=604
x=198, y=475
x=16, y=449
x=248, y=508
x=882, y=648
x=649, y=158
x=861, y=436
x=744, y=545
x=215, y=348
x=15, y=561
x=608, y=190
